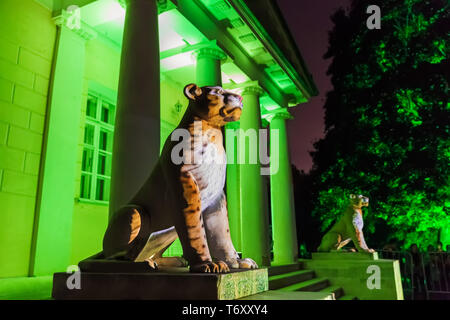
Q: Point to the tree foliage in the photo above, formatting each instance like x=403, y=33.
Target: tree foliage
x=387, y=121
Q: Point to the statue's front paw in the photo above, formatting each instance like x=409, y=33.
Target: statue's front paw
x=232, y=263
x=223, y=266
x=208, y=267
x=247, y=263
x=152, y=263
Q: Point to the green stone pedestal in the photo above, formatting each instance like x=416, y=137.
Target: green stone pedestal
x=164, y=284
x=359, y=274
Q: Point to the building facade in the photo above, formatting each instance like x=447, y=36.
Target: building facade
x=86, y=86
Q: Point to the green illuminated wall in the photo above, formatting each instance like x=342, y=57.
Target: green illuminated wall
x=27, y=36
x=172, y=98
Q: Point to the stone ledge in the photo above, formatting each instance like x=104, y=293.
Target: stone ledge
x=173, y=284
x=342, y=255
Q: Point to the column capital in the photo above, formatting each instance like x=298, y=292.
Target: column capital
x=214, y=53
x=249, y=87
x=163, y=5
x=71, y=19
x=279, y=114
x=252, y=90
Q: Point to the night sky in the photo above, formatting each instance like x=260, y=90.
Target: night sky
x=309, y=23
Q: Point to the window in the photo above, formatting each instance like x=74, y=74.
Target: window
x=97, y=149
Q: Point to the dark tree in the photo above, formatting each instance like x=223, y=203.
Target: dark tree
x=387, y=121
x=308, y=235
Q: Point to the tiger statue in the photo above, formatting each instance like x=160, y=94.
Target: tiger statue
x=184, y=198
x=348, y=228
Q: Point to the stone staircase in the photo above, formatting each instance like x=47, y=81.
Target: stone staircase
x=293, y=277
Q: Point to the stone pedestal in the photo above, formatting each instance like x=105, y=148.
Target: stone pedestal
x=164, y=284
x=362, y=275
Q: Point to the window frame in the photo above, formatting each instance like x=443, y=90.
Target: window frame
x=107, y=96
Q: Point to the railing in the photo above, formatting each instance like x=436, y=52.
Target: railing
x=424, y=275
x=436, y=267
x=406, y=269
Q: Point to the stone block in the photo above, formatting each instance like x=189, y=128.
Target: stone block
x=11, y=158
x=20, y=183
x=24, y=139
x=6, y=89
x=41, y=85
x=3, y=133
x=14, y=115
x=37, y=122
x=16, y=73
x=32, y=161
x=164, y=284
x=30, y=100
x=34, y=62
x=8, y=50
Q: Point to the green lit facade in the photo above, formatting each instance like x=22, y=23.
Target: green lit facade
x=68, y=93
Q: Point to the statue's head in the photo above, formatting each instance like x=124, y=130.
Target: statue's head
x=359, y=201
x=214, y=104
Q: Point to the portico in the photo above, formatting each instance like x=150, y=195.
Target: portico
x=243, y=58
x=120, y=117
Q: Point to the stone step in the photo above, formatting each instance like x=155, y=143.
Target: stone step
x=315, y=284
x=287, y=279
x=335, y=290
x=348, y=297
x=289, y=295
x=275, y=270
